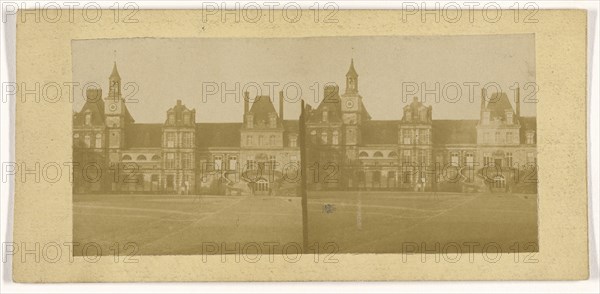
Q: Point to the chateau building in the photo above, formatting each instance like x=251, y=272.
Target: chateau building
x=346, y=148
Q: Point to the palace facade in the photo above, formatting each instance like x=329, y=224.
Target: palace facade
x=345, y=147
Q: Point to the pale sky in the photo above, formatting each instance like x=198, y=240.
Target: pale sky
x=164, y=70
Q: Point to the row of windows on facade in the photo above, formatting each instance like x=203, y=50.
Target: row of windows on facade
x=87, y=140
x=508, y=138
x=293, y=141
x=187, y=140
x=186, y=161
x=467, y=159
x=335, y=135
x=421, y=136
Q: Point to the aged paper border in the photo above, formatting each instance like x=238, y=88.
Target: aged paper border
x=43, y=134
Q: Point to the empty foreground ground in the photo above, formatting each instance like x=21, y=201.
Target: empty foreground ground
x=353, y=222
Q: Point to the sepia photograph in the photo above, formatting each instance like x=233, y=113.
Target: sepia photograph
x=371, y=144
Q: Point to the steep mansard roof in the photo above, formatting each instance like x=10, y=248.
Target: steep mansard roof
x=498, y=105
x=261, y=108
x=96, y=108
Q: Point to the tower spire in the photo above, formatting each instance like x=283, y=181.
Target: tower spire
x=352, y=79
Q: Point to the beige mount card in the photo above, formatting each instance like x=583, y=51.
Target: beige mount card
x=190, y=145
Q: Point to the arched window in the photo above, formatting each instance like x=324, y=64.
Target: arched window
x=324, y=137
x=88, y=119
x=313, y=136
x=325, y=114
x=126, y=157
x=363, y=154
x=393, y=154
x=260, y=140
x=378, y=154
x=155, y=157
x=141, y=157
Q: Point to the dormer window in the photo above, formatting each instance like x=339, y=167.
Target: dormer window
x=186, y=119
x=325, y=114
x=88, y=119
x=171, y=119
x=408, y=115
x=509, y=117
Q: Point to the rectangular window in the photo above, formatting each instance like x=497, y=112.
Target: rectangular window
x=218, y=162
x=232, y=162
x=248, y=140
x=187, y=140
x=509, y=118
x=469, y=159
x=324, y=138
x=498, y=138
x=250, y=163
x=529, y=138
x=531, y=158
x=171, y=137
x=170, y=161
x=98, y=141
x=508, y=137
x=186, y=159
x=487, y=158
x=272, y=161
x=423, y=157
x=87, y=141
x=509, y=159
x=407, y=136
x=293, y=141
x=406, y=158
x=454, y=159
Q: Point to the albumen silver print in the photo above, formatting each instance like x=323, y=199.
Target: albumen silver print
x=323, y=145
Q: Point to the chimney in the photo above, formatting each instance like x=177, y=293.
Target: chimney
x=246, y=102
x=178, y=102
x=518, y=102
x=483, y=97
x=281, y=105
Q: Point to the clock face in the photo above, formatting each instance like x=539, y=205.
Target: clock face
x=112, y=107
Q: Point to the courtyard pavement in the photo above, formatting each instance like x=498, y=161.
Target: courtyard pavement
x=351, y=222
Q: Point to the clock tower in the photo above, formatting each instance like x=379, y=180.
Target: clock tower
x=116, y=115
x=352, y=113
